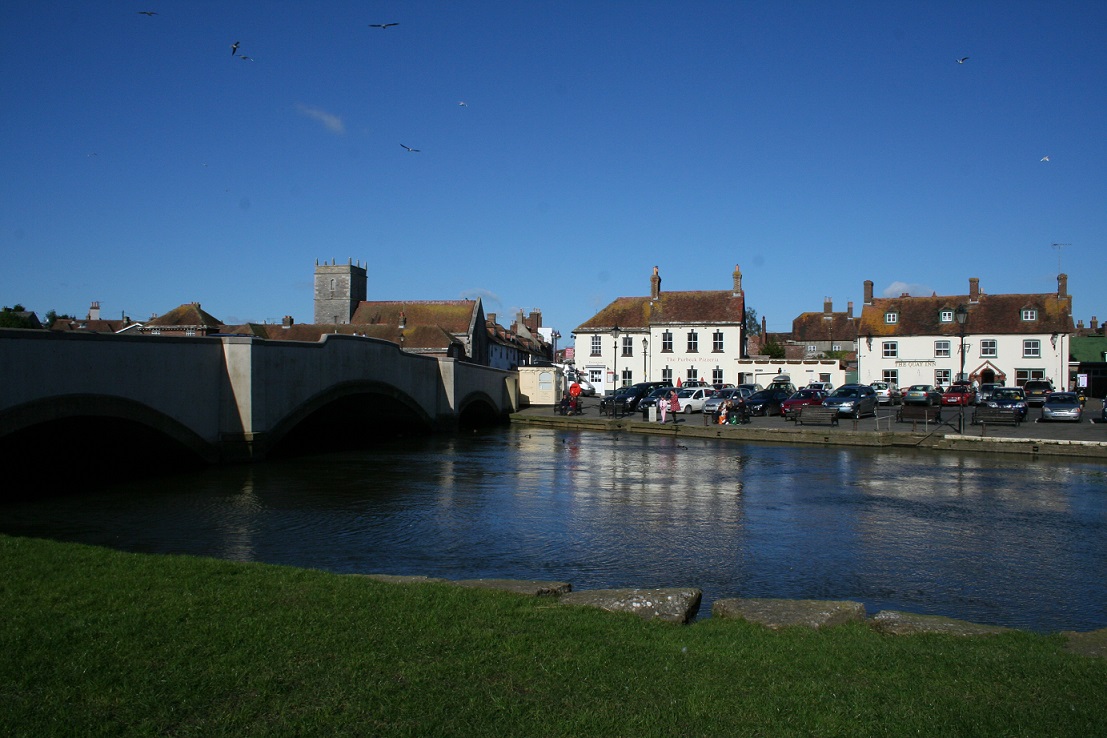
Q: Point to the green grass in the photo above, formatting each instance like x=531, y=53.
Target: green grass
x=97, y=642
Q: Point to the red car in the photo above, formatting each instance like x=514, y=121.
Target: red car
x=790, y=408
x=959, y=394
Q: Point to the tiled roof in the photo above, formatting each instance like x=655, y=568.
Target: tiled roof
x=90, y=326
x=701, y=306
x=824, y=327
x=416, y=337
x=455, y=316
x=186, y=315
x=994, y=314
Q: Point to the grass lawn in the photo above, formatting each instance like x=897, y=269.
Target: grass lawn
x=97, y=642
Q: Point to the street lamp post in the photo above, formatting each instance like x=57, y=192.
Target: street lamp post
x=962, y=314
x=614, y=366
x=645, y=353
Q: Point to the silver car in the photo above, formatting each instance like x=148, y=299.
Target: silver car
x=1062, y=406
x=886, y=393
x=716, y=400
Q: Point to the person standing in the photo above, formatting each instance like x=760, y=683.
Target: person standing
x=674, y=404
x=663, y=407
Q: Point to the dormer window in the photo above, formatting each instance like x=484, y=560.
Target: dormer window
x=891, y=317
x=945, y=316
x=1029, y=314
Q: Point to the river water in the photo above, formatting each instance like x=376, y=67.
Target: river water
x=986, y=538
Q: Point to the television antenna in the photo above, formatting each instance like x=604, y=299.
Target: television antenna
x=1057, y=247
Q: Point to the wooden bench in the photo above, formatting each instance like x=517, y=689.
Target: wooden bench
x=817, y=414
x=925, y=413
x=984, y=415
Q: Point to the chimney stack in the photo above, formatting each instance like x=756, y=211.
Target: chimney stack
x=737, y=280
x=655, y=285
x=491, y=318
x=849, y=309
x=1062, y=285
x=94, y=311
x=1094, y=324
x=974, y=289
x=828, y=305
x=868, y=292
x=286, y=322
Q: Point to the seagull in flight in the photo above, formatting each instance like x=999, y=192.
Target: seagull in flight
x=462, y=103
x=234, y=48
x=962, y=60
x=148, y=13
x=1044, y=158
x=414, y=151
x=382, y=25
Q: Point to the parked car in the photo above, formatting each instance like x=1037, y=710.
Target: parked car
x=985, y=392
x=692, y=398
x=751, y=386
x=1037, y=390
x=654, y=396
x=826, y=387
x=720, y=396
x=627, y=398
x=790, y=408
x=1062, y=406
x=782, y=382
x=886, y=393
x=853, y=400
x=959, y=394
x=922, y=394
x=767, y=401
x=1012, y=397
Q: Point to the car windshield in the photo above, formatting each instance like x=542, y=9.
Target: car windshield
x=1062, y=398
x=845, y=392
x=688, y=392
x=762, y=395
x=805, y=394
x=918, y=388
x=1007, y=394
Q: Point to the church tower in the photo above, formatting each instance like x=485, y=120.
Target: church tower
x=338, y=290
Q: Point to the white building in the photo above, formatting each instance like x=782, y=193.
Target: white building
x=1007, y=338
x=697, y=335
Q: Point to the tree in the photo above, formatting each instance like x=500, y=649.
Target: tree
x=13, y=317
x=772, y=349
x=753, y=328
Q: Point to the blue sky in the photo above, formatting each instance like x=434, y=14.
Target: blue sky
x=816, y=144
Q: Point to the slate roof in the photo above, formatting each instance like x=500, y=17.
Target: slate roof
x=824, y=327
x=430, y=339
x=454, y=316
x=992, y=314
x=717, y=307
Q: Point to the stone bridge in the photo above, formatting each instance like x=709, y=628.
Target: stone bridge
x=230, y=398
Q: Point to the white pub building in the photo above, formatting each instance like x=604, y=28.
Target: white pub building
x=976, y=337
x=696, y=335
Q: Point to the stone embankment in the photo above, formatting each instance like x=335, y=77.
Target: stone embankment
x=1085, y=440
x=680, y=605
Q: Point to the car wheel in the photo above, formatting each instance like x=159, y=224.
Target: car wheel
x=857, y=413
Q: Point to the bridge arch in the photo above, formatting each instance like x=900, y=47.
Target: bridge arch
x=346, y=412
x=478, y=409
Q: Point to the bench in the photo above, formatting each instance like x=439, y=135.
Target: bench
x=816, y=414
x=984, y=415
x=926, y=413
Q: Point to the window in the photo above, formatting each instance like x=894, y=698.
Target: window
x=628, y=346
x=945, y=316
x=667, y=342
x=667, y=375
x=942, y=377
x=891, y=317
x=836, y=347
x=596, y=345
x=891, y=349
x=1022, y=376
x=988, y=347
x=693, y=342
x=1029, y=314
x=812, y=349
x=545, y=381
x=717, y=342
x=891, y=376
x=941, y=349
x=1031, y=348
x=716, y=376
x=595, y=377
x=693, y=374
x=628, y=378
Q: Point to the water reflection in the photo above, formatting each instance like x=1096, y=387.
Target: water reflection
x=985, y=538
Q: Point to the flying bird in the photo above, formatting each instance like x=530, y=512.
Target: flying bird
x=234, y=48
x=243, y=57
x=382, y=25
x=1044, y=158
x=414, y=151
x=462, y=103
x=962, y=60
x=149, y=13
